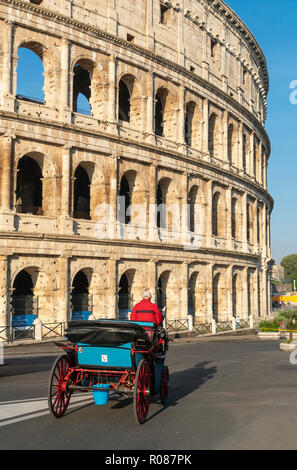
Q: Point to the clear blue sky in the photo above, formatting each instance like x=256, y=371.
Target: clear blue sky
x=273, y=24
x=274, y=27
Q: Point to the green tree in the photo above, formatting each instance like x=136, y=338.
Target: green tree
x=289, y=263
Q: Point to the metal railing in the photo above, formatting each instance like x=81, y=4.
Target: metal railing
x=224, y=326
x=53, y=330
x=177, y=325
x=202, y=329
x=45, y=331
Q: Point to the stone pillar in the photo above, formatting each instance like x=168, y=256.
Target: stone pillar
x=63, y=301
x=180, y=34
x=112, y=73
x=65, y=111
x=208, y=292
x=6, y=215
x=4, y=297
x=7, y=142
x=180, y=134
x=150, y=42
x=229, y=240
x=65, y=224
x=152, y=203
x=6, y=94
x=114, y=182
x=184, y=280
x=208, y=213
x=244, y=222
x=152, y=279
x=149, y=132
x=112, y=294
x=112, y=17
x=225, y=137
x=205, y=111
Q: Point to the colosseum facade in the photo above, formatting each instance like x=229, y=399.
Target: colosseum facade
x=161, y=185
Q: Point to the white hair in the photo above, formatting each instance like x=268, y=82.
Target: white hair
x=147, y=294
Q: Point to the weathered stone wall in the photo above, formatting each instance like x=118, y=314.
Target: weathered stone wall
x=210, y=76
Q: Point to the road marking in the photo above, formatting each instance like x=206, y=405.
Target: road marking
x=21, y=410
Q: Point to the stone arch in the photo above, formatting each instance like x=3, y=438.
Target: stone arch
x=165, y=116
x=42, y=285
x=50, y=82
x=34, y=52
x=81, y=302
x=29, y=185
x=237, y=294
x=130, y=288
x=193, y=118
x=196, y=297
x=126, y=187
x=219, y=296
x=218, y=214
x=192, y=208
x=231, y=143
x=90, y=189
x=214, y=135
x=83, y=69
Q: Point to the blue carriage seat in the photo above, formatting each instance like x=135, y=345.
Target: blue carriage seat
x=108, y=343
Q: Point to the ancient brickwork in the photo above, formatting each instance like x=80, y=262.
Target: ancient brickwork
x=177, y=94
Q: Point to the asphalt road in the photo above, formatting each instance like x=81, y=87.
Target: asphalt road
x=225, y=394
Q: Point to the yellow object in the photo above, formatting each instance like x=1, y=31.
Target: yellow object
x=292, y=298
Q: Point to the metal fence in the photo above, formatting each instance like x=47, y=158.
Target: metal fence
x=47, y=331
x=177, y=325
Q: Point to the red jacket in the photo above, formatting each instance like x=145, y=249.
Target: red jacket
x=146, y=311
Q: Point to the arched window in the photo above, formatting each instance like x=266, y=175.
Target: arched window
x=192, y=197
x=216, y=297
x=215, y=214
x=234, y=217
x=124, y=102
x=159, y=116
x=30, y=73
x=249, y=222
x=22, y=297
x=244, y=152
x=81, y=194
x=80, y=297
x=125, y=201
x=162, y=290
x=82, y=87
x=162, y=190
x=29, y=187
x=234, y=295
x=212, y=129
x=190, y=108
x=124, y=301
x=230, y=143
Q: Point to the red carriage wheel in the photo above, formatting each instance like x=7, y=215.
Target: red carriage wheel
x=58, y=394
x=164, y=385
x=141, y=393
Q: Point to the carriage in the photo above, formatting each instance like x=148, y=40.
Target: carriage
x=111, y=357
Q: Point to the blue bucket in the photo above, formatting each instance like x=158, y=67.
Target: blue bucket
x=101, y=396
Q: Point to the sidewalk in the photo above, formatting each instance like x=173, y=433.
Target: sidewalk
x=49, y=347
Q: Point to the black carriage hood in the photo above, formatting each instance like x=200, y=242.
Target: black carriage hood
x=98, y=332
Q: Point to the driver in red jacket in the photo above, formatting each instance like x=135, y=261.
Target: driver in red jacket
x=147, y=311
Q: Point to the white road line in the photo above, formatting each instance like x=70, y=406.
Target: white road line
x=21, y=410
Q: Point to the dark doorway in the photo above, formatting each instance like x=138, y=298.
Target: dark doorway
x=29, y=187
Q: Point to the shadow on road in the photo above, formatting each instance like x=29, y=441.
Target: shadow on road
x=186, y=381
x=26, y=365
